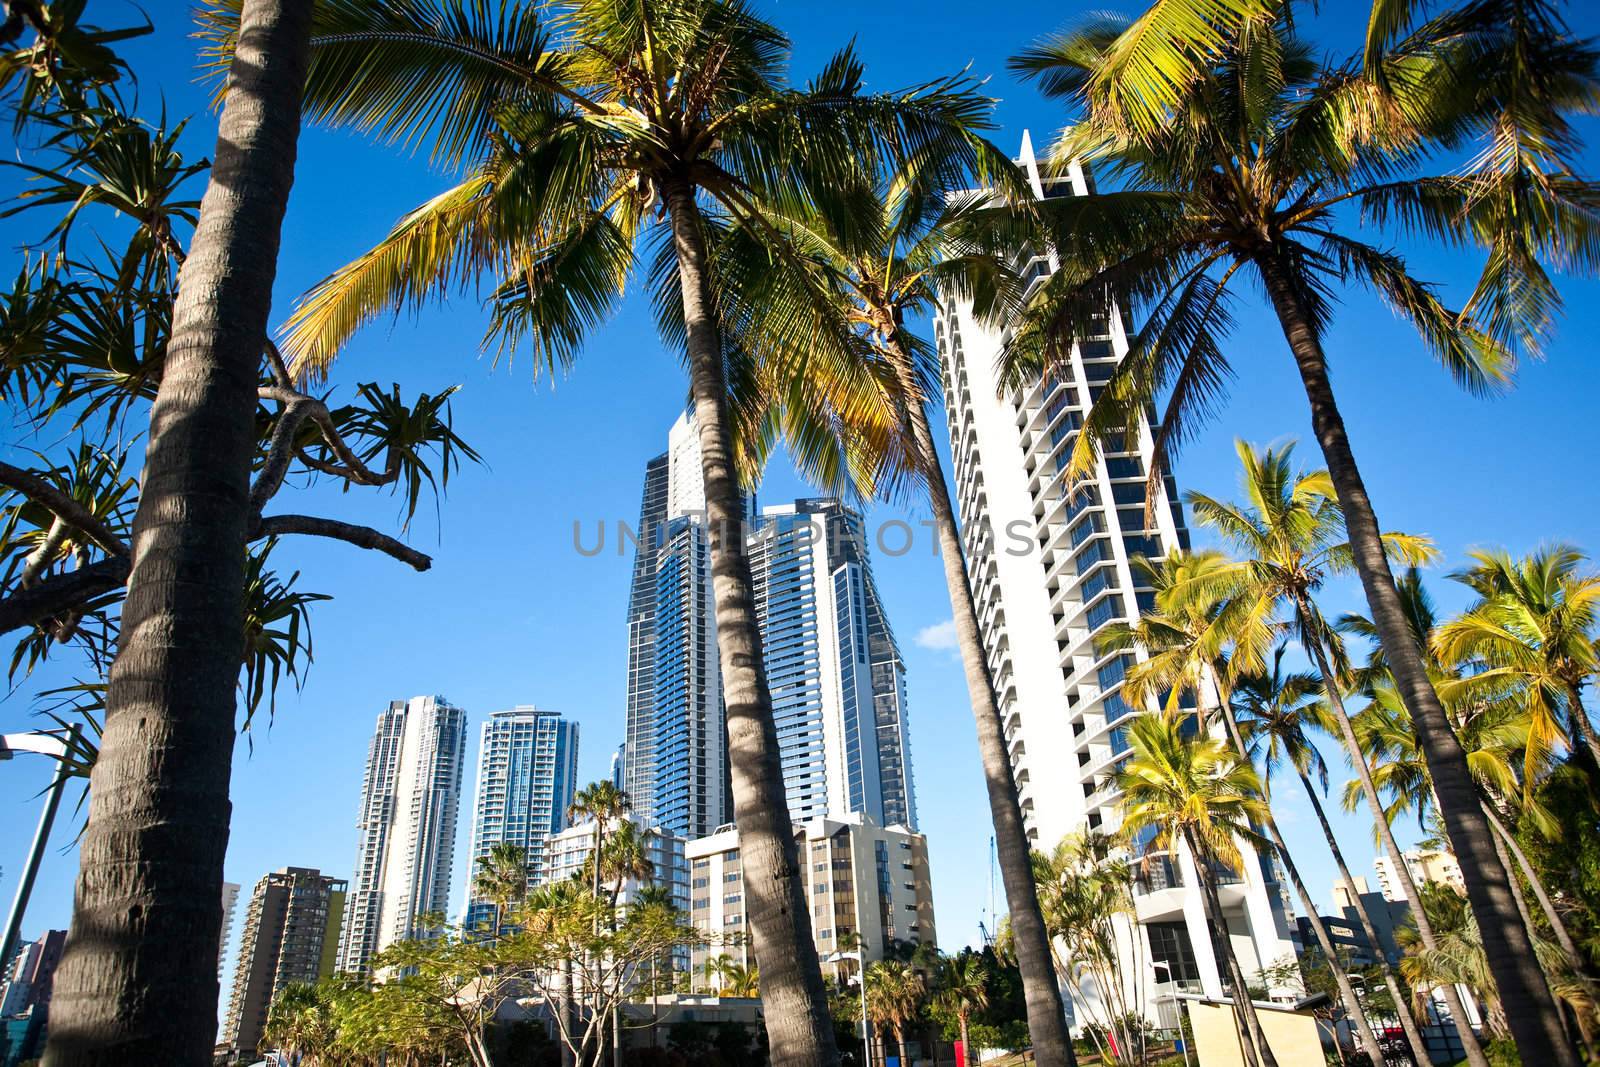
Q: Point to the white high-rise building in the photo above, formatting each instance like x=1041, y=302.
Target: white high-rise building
x=409, y=802
x=230, y=901
x=1049, y=567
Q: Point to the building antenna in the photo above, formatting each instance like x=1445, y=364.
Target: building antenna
x=993, y=919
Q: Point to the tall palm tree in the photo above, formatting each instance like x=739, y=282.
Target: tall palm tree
x=862, y=285
x=1536, y=622
x=577, y=132
x=894, y=993
x=963, y=989
x=626, y=855
x=1274, y=710
x=136, y=973
x=1247, y=159
x=501, y=877
x=1289, y=535
x=1198, y=791
x=1187, y=638
x=602, y=804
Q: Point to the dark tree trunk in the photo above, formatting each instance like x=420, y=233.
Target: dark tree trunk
x=1052, y=1045
x=796, y=1001
x=1534, y=1016
x=1402, y=1003
x=1252, y=1041
x=138, y=979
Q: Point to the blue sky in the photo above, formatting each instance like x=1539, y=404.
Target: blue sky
x=512, y=614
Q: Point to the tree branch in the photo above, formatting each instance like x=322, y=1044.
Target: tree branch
x=360, y=536
x=62, y=505
x=61, y=593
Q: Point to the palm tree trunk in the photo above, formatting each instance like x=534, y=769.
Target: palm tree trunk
x=1402, y=1006
x=1583, y=738
x=796, y=1001
x=1052, y=1044
x=966, y=1049
x=135, y=984
x=1252, y=1040
x=1568, y=947
x=1341, y=978
x=1524, y=993
x=1452, y=996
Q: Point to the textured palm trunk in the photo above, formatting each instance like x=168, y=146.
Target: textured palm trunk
x=1518, y=857
x=1391, y=848
x=1391, y=982
x=138, y=979
x=796, y=1001
x=1341, y=978
x=1583, y=735
x=1531, y=1008
x=1253, y=1043
x=966, y=1048
x=1052, y=1045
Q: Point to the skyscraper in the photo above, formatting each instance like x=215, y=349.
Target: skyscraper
x=409, y=801
x=230, y=901
x=837, y=680
x=835, y=671
x=290, y=929
x=676, y=772
x=527, y=773
x=1049, y=566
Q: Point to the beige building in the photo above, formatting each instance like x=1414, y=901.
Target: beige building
x=1426, y=865
x=861, y=880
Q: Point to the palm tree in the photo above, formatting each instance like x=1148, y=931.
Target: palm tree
x=739, y=980
x=137, y=970
x=860, y=286
x=963, y=989
x=1187, y=637
x=1535, y=623
x=579, y=131
x=626, y=855
x=601, y=803
x=1200, y=792
x=501, y=877
x=300, y=1022
x=1289, y=535
x=894, y=992
x=1241, y=159
x=1274, y=710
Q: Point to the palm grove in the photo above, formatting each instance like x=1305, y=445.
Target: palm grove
x=788, y=235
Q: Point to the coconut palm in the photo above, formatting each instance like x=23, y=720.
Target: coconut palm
x=1274, y=709
x=963, y=990
x=1289, y=535
x=1193, y=638
x=740, y=980
x=501, y=877
x=1249, y=160
x=1536, y=623
x=135, y=974
x=626, y=855
x=894, y=993
x=1198, y=791
x=578, y=131
x=600, y=803
x=864, y=285
x=300, y=1021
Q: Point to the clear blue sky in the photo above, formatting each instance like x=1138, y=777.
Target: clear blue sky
x=512, y=614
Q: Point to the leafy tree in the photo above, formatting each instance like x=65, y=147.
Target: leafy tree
x=1245, y=158
x=151, y=331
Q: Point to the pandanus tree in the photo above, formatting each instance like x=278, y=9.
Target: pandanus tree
x=858, y=289
x=161, y=581
x=578, y=132
x=1182, y=787
x=1274, y=710
x=1194, y=637
x=1242, y=158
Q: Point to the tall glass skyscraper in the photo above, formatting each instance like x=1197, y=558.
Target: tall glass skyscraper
x=527, y=774
x=836, y=675
x=409, y=801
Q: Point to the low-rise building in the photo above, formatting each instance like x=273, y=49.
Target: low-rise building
x=1425, y=865
x=866, y=885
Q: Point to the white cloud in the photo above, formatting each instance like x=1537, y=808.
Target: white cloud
x=940, y=637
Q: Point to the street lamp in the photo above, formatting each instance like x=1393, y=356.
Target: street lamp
x=44, y=745
x=860, y=978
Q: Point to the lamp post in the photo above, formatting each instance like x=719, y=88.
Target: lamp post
x=44, y=745
x=860, y=978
